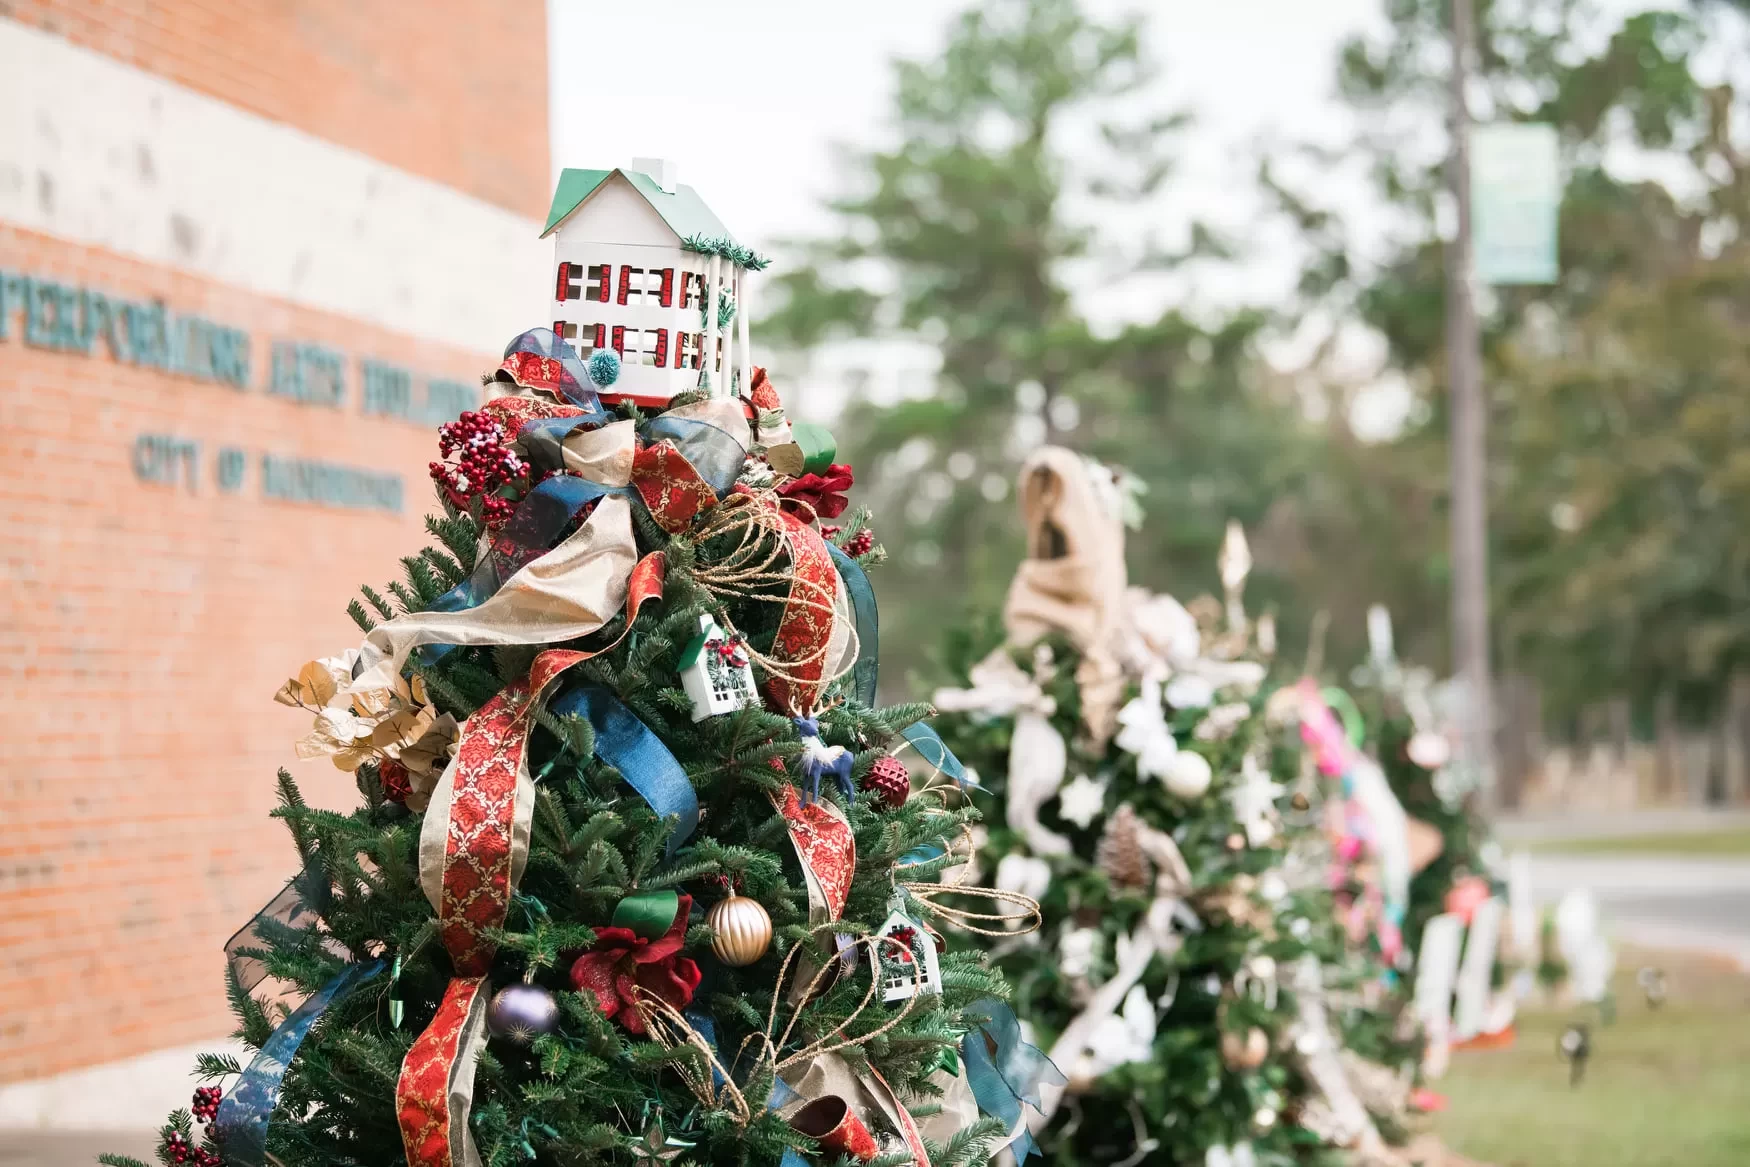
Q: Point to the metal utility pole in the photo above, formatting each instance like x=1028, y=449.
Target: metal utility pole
x=1470, y=566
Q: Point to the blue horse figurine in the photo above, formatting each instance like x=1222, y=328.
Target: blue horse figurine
x=820, y=759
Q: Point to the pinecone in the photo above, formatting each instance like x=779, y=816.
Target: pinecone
x=889, y=780
x=1120, y=853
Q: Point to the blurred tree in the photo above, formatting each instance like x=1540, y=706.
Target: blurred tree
x=1019, y=152
x=1613, y=496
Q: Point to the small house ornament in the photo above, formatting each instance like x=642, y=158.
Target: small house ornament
x=905, y=959
x=639, y=256
x=716, y=671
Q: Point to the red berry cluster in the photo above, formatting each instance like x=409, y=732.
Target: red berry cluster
x=482, y=465
x=177, y=1150
x=397, y=786
x=206, y=1103
x=861, y=543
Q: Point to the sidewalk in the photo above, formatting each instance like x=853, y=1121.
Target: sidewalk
x=1608, y=824
x=20, y=1149
x=1658, y=901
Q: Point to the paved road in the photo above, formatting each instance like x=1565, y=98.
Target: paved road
x=64, y=1150
x=1659, y=901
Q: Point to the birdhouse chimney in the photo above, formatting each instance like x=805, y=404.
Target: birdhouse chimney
x=661, y=171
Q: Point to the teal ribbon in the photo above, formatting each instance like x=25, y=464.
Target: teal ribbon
x=244, y=1114
x=866, y=672
x=1002, y=1081
x=932, y=749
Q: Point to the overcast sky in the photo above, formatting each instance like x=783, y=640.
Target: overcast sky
x=747, y=96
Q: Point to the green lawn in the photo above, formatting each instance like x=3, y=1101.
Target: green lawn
x=1693, y=843
x=1666, y=1088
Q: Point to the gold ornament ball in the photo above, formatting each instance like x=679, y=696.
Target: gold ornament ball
x=1245, y=1051
x=743, y=931
x=1236, y=842
x=1300, y=801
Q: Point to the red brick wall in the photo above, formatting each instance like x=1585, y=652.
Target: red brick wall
x=448, y=89
x=143, y=631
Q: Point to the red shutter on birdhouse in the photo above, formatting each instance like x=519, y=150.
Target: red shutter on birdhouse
x=667, y=293
x=661, y=347
x=601, y=338
x=564, y=285
x=559, y=329
x=620, y=339
x=607, y=282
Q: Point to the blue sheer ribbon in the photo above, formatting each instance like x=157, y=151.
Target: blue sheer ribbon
x=244, y=1114
x=551, y=506
x=296, y=908
x=626, y=744
x=932, y=749
x=716, y=455
x=574, y=383
x=1002, y=1081
x=781, y=1096
x=867, y=671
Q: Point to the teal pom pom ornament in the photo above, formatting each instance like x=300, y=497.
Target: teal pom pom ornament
x=604, y=367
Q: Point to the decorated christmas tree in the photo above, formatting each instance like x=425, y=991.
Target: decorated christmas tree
x=1146, y=793
x=1398, y=708
x=635, y=874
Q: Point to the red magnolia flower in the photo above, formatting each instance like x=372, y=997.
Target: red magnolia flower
x=622, y=962
x=824, y=493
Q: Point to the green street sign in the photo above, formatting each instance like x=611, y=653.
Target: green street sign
x=1516, y=194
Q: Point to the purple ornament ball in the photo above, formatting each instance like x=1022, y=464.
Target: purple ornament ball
x=521, y=1013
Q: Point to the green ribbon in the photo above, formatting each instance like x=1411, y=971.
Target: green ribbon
x=649, y=914
x=1344, y=705
x=818, y=448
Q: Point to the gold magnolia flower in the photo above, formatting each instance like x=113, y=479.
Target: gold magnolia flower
x=397, y=721
x=341, y=734
x=319, y=682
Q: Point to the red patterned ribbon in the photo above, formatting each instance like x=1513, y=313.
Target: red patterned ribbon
x=806, y=626
x=512, y=412
x=823, y=841
x=673, y=491
x=908, y=1127
x=490, y=797
x=430, y=1133
x=533, y=371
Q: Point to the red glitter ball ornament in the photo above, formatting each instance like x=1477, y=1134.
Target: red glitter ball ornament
x=889, y=780
x=397, y=786
x=861, y=543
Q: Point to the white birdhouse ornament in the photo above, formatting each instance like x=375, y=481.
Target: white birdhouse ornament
x=716, y=672
x=905, y=959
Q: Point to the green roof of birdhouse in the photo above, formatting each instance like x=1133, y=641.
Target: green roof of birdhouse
x=695, y=648
x=684, y=211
